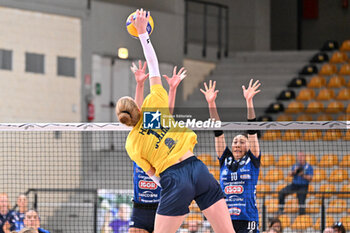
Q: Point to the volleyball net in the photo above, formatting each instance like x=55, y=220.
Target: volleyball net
x=80, y=179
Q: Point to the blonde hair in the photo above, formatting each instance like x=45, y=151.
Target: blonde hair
x=127, y=111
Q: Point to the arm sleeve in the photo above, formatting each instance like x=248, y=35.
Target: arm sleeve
x=150, y=55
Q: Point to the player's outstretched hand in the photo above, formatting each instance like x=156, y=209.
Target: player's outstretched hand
x=210, y=93
x=177, y=77
x=141, y=21
x=140, y=72
x=252, y=90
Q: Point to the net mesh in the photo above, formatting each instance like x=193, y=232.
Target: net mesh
x=80, y=179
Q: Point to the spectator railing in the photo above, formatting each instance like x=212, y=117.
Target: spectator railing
x=62, y=190
x=263, y=212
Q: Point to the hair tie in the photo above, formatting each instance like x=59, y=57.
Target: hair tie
x=127, y=113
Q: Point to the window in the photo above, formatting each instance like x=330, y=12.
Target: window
x=35, y=63
x=66, y=66
x=5, y=59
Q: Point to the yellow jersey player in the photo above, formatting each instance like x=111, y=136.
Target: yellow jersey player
x=167, y=151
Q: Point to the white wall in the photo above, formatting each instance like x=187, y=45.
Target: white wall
x=29, y=97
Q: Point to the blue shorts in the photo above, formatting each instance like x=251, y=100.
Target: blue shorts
x=184, y=182
x=242, y=226
x=143, y=219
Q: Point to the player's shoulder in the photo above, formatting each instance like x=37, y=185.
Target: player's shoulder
x=227, y=152
x=157, y=87
x=158, y=90
x=308, y=166
x=255, y=161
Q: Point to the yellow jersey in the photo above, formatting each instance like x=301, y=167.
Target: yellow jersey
x=161, y=147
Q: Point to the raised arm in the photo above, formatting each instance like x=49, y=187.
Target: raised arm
x=173, y=83
x=140, y=78
x=249, y=93
x=140, y=24
x=210, y=95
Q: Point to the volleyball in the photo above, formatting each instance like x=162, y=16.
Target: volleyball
x=132, y=30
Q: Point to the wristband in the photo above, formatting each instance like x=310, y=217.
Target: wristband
x=252, y=132
x=218, y=133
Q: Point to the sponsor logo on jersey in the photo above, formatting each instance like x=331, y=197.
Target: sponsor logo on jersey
x=139, y=170
x=148, y=194
x=244, y=170
x=144, y=177
x=235, y=211
x=147, y=185
x=145, y=196
x=228, y=161
x=235, y=198
x=169, y=142
x=234, y=189
x=245, y=176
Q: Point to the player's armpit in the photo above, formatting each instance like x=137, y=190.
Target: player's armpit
x=142, y=163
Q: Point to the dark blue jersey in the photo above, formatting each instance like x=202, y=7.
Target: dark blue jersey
x=238, y=180
x=10, y=217
x=19, y=221
x=40, y=230
x=145, y=190
x=308, y=170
